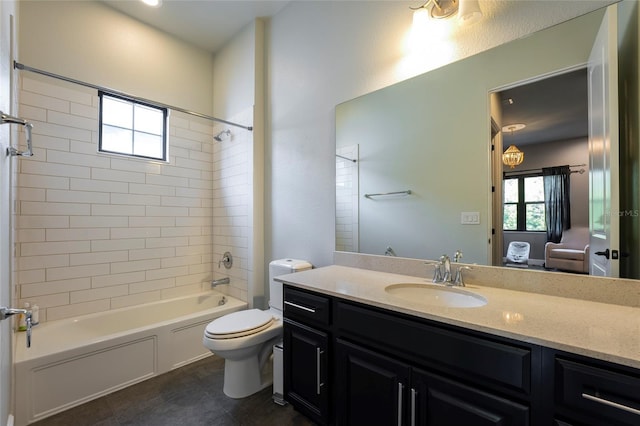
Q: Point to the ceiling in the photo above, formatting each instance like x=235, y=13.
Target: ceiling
x=208, y=24
x=553, y=109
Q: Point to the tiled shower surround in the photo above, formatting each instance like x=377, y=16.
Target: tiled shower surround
x=98, y=232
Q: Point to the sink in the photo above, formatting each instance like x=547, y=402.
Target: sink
x=436, y=295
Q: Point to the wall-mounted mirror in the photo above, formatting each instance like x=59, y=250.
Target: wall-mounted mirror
x=413, y=161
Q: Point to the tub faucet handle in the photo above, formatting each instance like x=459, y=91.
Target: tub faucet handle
x=227, y=260
x=7, y=312
x=29, y=326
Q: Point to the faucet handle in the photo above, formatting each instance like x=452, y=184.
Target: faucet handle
x=459, y=280
x=437, y=271
x=457, y=256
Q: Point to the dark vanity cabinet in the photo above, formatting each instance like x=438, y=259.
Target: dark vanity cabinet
x=402, y=371
x=348, y=363
x=591, y=392
x=306, y=343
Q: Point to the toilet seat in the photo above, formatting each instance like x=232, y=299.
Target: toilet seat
x=239, y=324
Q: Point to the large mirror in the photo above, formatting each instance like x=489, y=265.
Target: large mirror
x=414, y=165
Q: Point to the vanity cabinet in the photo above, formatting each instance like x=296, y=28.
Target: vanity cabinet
x=350, y=363
x=376, y=389
x=401, y=371
x=306, y=344
x=591, y=392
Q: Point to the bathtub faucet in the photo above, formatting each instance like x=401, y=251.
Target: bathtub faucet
x=7, y=312
x=221, y=281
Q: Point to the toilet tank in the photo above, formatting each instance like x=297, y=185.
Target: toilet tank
x=282, y=267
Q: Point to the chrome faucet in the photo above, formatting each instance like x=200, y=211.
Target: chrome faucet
x=443, y=272
x=389, y=251
x=459, y=279
x=445, y=261
x=9, y=119
x=437, y=271
x=221, y=281
x=7, y=312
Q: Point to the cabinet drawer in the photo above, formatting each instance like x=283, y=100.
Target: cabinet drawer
x=603, y=396
x=483, y=361
x=306, y=307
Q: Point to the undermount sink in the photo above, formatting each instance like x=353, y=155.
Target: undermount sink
x=436, y=295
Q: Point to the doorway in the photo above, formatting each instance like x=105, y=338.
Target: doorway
x=547, y=120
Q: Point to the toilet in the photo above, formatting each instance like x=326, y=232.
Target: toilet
x=245, y=339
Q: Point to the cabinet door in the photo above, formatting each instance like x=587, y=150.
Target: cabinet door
x=435, y=400
x=306, y=370
x=372, y=388
x=597, y=394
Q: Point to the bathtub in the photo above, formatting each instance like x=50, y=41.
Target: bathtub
x=72, y=361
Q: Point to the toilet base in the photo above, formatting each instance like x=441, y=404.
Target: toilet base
x=244, y=378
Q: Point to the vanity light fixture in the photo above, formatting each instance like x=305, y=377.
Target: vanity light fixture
x=468, y=10
x=513, y=157
x=152, y=3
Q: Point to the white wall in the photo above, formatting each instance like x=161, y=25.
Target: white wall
x=238, y=71
x=92, y=42
x=323, y=53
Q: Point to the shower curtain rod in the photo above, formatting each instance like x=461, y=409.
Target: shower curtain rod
x=581, y=171
x=23, y=67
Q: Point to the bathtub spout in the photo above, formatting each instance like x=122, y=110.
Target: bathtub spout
x=221, y=281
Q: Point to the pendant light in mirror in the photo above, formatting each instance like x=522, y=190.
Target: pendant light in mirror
x=513, y=157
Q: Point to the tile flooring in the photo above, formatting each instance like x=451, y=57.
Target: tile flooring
x=189, y=396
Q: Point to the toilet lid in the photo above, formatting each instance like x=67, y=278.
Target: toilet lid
x=238, y=324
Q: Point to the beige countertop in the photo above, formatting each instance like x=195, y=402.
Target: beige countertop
x=604, y=331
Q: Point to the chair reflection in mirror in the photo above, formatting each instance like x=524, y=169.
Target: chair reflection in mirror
x=518, y=254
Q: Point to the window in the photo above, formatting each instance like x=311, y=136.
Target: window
x=523, y=206
x=132, y=128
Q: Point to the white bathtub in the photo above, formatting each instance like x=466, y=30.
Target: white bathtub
x=75, y=360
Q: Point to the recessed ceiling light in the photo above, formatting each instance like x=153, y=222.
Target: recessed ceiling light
x=152, y=3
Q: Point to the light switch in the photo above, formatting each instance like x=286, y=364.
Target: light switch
x=470, y=218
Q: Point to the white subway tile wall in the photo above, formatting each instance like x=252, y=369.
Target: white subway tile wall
x=347, y=202
x=96, y=232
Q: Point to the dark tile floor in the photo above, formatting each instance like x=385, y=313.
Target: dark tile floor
x=189, y=396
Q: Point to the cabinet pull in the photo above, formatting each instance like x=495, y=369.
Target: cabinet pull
x=319, y=353
x=400, y=392
x=414, y=394
x=611, y=403
x=304, y=308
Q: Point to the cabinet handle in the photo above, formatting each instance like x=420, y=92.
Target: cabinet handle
x=414, y=394
x=611, y=403
x=304, y=308
x=400, y=392
x=319, y=353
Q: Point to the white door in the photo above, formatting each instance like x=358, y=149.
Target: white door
x=603, y=149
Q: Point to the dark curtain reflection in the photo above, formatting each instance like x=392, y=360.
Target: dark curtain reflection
x=556, y=199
